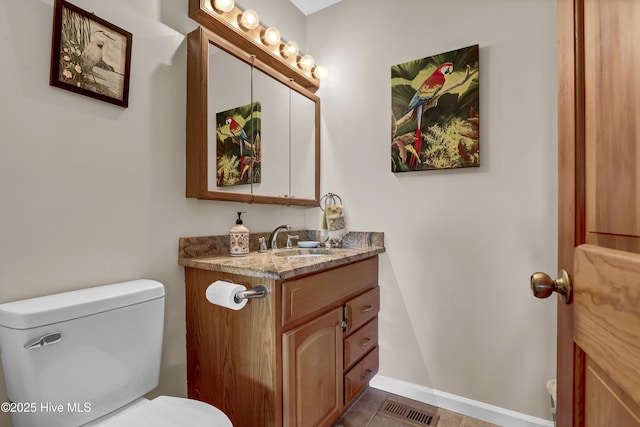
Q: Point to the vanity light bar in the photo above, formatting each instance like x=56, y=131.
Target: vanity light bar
x=249, y=22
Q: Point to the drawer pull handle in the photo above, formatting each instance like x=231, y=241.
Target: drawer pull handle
x=365, y=342
x=366, y=309
x=367, y=375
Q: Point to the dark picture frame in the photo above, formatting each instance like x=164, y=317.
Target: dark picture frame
x=435, y=104
x=89, y=55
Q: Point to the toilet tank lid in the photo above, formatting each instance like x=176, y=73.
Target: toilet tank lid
x=46, y=310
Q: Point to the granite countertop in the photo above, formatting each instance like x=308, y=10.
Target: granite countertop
x=211, y=253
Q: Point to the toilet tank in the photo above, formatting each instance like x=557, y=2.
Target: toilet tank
x=72, y=357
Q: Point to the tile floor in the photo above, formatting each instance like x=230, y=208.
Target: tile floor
x=364, y=413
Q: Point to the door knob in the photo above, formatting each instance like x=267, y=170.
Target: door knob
x=542, y=286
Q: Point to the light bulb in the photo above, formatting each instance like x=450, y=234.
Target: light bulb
x=249, y=19
x=223, y=5
x=306, y=62
x=271, y=36
x=320, y=71
x=290, y=49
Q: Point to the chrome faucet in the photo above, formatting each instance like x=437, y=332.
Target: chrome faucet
x=274, y=234
x=289, y=239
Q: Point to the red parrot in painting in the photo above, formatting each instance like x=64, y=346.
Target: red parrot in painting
x=238, y=132
x=425, y=93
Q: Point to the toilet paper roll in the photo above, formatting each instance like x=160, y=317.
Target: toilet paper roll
x=222, y=293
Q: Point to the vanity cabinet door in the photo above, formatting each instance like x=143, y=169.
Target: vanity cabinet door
x=312, y=356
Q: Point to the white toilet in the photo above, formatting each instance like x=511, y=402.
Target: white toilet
x=87, y=357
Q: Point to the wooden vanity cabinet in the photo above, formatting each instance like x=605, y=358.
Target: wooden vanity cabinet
x=297, y=358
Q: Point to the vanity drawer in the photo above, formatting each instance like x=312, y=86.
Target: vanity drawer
x=359, y=376
x=360, y=342
x=319, y=292
x=360, y=310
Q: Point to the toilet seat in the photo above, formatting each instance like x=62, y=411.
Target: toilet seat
x=166, y=411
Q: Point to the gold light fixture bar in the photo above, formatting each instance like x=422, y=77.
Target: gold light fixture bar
x=225, y=24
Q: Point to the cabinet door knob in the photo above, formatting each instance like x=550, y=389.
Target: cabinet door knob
x=367, y=375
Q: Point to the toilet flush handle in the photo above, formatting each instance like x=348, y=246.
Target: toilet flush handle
x=50, y=338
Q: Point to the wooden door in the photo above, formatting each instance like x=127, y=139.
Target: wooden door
x=312, y=372
x=599, y=212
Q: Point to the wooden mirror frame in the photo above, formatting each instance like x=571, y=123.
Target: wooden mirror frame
x=197, y=113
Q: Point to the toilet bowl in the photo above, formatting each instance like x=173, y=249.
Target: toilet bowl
x=87, y=358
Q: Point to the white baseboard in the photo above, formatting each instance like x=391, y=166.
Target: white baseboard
x=458, y=404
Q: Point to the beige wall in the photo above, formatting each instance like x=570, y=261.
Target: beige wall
x=457, y=314
x=94, y=194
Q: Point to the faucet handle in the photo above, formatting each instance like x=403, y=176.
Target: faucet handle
x=289, y=238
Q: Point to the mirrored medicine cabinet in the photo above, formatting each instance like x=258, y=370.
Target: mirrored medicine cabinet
x=279, y=163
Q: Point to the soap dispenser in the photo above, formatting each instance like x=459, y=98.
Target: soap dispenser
x=239, y=238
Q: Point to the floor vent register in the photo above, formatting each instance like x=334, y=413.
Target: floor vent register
x=407, y=414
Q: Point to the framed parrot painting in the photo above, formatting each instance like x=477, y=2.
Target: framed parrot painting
x=435, y=116
x=238, y=145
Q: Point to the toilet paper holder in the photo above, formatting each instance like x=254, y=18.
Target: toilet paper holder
x=259, y=291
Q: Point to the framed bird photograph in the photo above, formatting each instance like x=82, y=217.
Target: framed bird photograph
x=89, y=55
x=435, y=104
x=238, y=145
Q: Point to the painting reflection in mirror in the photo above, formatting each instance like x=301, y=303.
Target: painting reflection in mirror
x=238, y=145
